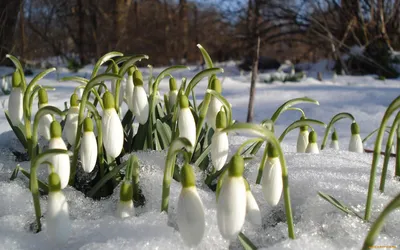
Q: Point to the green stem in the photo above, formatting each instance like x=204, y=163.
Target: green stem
x=379, y=222
x=389, y=144
x=397, y=167
x=299, y=123
x=289, y=104
x=377, y=149
x=334, y=119
x=262, y=165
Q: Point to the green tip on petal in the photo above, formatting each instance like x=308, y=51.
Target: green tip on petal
x=334, y=136
x=236, y=166
x=115, y=68
x=131, y=70
x=272, y=151
x=187, y=176
x=74, y=100
x=137, y=82
x=220, y=121
x=88, y=125
x=16, y=79
x=216, y=85
x=126, y=192
x=43, y=98
x=303, y=128
x=172, y=84
x=108, y=100
x=54, y=182
x=137, y=75
x=312, y=137
x=355, y=129
x=184, y=102
x=55, y=129
x=246, y=183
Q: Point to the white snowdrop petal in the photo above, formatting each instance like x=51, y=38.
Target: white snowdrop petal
x=219, y=149
x=356, y=144
x=88, y=151
x=213, y=109
x=57, y=218
x=172, y=98
x=15, y=106
x=44, y=126
x=190, y=216
x=231, y=207
x=302, y=141
x=272, y=184
x=334, y=145
x=71, y=124
x=312, y=148
x=60, y=161
x=140, y=104
x=187, y=125
x=125, y=209
x=113, y=133
x=253, y=211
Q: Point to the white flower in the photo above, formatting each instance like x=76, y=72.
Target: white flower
x=44, y=124
x=356, y=144
x=302, y=141
x=190, y=216
x=57, y=218
x=186, y=123
x=219, y=149
x=213, y=109
x=71, y=124
x=129, y=92
x=125, y=209
x=232, y=200
x=140, y=104
x=61, y=161
x=312, y=146
x=88, y=148
x=253, y=211
x=173, y=95
x=15, y=106
x=334, y=144
x=113, y=133
x=272, y=184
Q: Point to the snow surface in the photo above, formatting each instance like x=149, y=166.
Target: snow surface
x=318, y=225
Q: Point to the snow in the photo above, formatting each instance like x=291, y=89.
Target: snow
x=318, y=225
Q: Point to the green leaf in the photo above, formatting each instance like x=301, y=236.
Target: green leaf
x=74, y=79
x=199, y=76
x=373, y=132
x=131, y=62
x=18, y=65
x=246, y=243
x=334, y=119
x=165, y=133
x=140, y=137
x=338, y=204
x=102, y=60
x=206, y=56
x=203, y=156
x=17, y=131
x=289, y=104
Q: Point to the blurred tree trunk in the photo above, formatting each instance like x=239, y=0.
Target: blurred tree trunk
x=8, y=21
x=183, y=15
x=22, y=29
x=119, y=16
x=382, y=23
x=81, y=33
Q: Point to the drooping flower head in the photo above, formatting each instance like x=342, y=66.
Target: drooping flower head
x=312, y=146
x=215, y=104
x=60, y=161
x=45, y=121
x=252, y=209
x=113, y=133
x=356, y=144
x=15, y=101
x=302, y=139
x=219, y=142
x=125, y=206
x=173, y=92
x=190, y=212
x=71, y=122
x=140, y=103
x=88, y=148
x=186, y=123
x=272, y=184
x=334, y=140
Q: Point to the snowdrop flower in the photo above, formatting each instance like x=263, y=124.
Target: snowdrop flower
x=219, y=142
x=173, y=92
x=186, y=123
x=79, y=92
x=113, y=133
x=252, y=209
x=356, y=144
x=61, y=161
x=15, y=101
x=302, y=140
x=140, y=103
x=312, y=146
x=71, y=122
x=129, y=89
x=190, y=210
x=215, y=104
x=57, y=218
x=121, y=89
x=231, y=203
x=334, y=141
x=125, y=206
x=46, y=120
x=88, y=148
x=271, y=181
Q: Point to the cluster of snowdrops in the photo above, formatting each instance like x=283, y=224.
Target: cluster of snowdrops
x=195, y=136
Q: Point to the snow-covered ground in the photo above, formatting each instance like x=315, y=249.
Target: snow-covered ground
x=318, y=225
